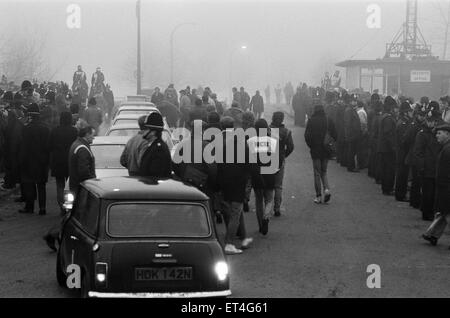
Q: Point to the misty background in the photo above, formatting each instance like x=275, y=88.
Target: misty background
x=293, y=41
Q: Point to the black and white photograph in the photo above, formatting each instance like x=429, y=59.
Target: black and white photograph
x=242, y=150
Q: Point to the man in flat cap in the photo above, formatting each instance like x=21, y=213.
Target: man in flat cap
x=442, y=201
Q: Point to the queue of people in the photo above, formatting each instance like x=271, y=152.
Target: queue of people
x=404, y=146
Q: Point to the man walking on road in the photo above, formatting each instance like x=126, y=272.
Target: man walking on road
x=442, y=202
x=257, y=105
x=93, y=115
x=286, y=147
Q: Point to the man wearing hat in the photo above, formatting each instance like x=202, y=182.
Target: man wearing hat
x=426, y=150
x=415, y=194
x=156, y=159
x=386, y=146
x=442, y=199
x=402, y=169
x=34, y=161
x=445, y=101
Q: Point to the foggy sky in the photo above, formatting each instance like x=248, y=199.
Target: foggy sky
x=287, y=40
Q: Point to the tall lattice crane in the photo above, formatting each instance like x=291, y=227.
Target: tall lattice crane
x=409, y=42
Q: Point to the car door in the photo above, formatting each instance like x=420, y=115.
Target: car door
x=69, y=234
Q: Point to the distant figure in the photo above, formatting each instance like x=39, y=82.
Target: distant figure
x=278, y=94
x=326, y=81
x=267, y=93
x=171, y=95
x=257, y=105
x=244, y=99
x=157, y=96
x=97, y=82
x=93, y=115
x=288, y=93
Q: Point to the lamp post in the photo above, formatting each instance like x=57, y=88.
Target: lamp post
x=138, y=72
x=171, y=45
x=242, y=47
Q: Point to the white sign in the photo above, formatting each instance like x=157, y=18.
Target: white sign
x=420, y=76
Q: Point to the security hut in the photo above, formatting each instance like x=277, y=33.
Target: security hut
x=408, y=67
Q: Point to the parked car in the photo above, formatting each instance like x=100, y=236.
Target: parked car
x=142, y=237
x=130, y=129
x=107, y=151
x=137, y=110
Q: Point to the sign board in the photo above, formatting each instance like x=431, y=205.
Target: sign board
x=420, y=76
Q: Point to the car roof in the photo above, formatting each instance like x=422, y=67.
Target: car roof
x=110, y=140
x=137, y=107
x=127, y=116
x=143, y=188
x=137, y=103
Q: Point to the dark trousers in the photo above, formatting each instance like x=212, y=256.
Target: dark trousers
x=415, y=193
x=352, y=148
x=340, y=153
x=427, y=202
x=31, y=191
x=401, y=181
x=299, y=118
x=60, y=184
x=362, y=152
x=387, y=166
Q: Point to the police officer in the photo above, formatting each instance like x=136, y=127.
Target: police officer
x=156, y=159
x=402, y=169
x=442, y=202
x=416, y=125
x=386, y=146
x=426, y=150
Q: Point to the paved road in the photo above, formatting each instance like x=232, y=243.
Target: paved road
x=310, y=251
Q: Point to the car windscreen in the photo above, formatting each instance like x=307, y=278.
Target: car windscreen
x=123, y=132
x=157, y=220
x=125, y=121
x=107, y=156
x=134, y=112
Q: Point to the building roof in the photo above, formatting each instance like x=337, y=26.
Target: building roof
x=142, y=188
x=390, y=61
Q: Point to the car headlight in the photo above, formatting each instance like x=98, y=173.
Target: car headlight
x=68, y=200
x=221, y=270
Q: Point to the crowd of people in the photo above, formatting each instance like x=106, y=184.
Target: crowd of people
x=405, y=147
x=34, y=145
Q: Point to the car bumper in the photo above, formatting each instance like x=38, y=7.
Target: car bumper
x=221, y=293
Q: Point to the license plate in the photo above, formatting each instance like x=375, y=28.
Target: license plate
x=163, y=273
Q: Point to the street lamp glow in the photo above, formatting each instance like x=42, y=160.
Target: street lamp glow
x=243, y=47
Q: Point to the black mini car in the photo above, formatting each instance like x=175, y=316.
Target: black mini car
x=141, y=237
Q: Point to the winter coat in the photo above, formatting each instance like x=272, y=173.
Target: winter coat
x=386, y=134
x=316, y=129
x=13, y=136
x=426, y=150
x=264, y=145
x=132, y=154
x=340, y=128
x=157, y=98
x=156, y=160
x=233, y=177
x=34, y=154
x=257, y=104
x=81, y=163
x=285, y=141
x=61, y=138
x=93, y=116
x=352, y=125
x=400, y=133
x=442, y=201
x=236, y=114
x=170, y=112
x=209, y=169
x=198, y=113
x=408, y=141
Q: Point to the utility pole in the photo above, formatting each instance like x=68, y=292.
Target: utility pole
x=447, y=25
x=138, y=75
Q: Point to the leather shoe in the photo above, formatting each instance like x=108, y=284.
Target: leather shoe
x=265, y=226
x=430, y=239
x=50, y=240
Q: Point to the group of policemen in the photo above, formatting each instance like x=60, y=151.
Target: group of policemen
x=399, y=142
